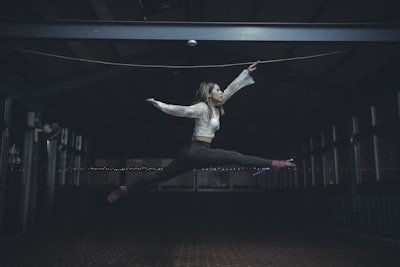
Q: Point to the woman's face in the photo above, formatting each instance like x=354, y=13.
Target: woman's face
x=216, y=94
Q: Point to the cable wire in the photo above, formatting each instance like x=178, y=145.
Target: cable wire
x=172, y=66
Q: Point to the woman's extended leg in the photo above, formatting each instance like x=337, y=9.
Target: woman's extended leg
x=209, y=157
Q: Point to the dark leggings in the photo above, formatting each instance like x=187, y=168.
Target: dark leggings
x=198, y=154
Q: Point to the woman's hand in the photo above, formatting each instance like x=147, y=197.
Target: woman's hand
x=153, y=102
x=253, y=67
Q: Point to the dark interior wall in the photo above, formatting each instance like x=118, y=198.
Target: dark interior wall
x=361, y=200
x=370, y=210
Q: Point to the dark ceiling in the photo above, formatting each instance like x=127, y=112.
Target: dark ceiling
x=290, y=99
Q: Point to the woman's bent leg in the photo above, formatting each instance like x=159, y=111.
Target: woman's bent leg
x=174, y=169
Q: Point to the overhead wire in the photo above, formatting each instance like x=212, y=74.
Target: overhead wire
x=171, y=66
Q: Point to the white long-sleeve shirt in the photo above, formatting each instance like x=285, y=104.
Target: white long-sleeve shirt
x=204, y=126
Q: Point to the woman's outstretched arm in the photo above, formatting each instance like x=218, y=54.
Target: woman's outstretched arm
x=241, y=81
x=194, y=111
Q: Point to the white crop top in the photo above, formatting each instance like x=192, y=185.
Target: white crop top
x=204, y=126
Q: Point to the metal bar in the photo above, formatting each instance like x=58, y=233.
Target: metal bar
x=77, y=167
x=27, y=167
x=33, y=185
x=63, y=157
x=356, y=148
x=63, y=167
x=85, y=159
x=398, y=101
x=285, y=179
x=77, y=160
x=5, y=140
x=312, y=162
x=269, y=182
x=324, y=160
x=355, y=196
x=376, y=145
x=335, y=154
x=201, y=31
x=5, y=136
x=71, y=160
x=293, y=181
x=304, y=174
x=33, y=121
x=51, y=175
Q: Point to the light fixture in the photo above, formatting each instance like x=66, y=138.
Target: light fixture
x=192, y=42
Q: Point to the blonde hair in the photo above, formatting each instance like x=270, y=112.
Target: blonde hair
x=202, y=93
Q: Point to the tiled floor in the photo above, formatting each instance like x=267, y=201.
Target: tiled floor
x=188, y=242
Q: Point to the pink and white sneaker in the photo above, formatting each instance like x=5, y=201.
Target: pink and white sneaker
x=121, y=191
x=279, y=164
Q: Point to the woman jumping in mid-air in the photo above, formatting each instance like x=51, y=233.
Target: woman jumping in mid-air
x=198, y=154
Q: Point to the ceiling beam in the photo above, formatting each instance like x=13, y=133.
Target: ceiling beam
x=89, y=78
x=202, y=31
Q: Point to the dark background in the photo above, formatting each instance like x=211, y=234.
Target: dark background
x=289, y=100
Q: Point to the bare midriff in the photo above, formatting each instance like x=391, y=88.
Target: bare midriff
x=202, y=139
